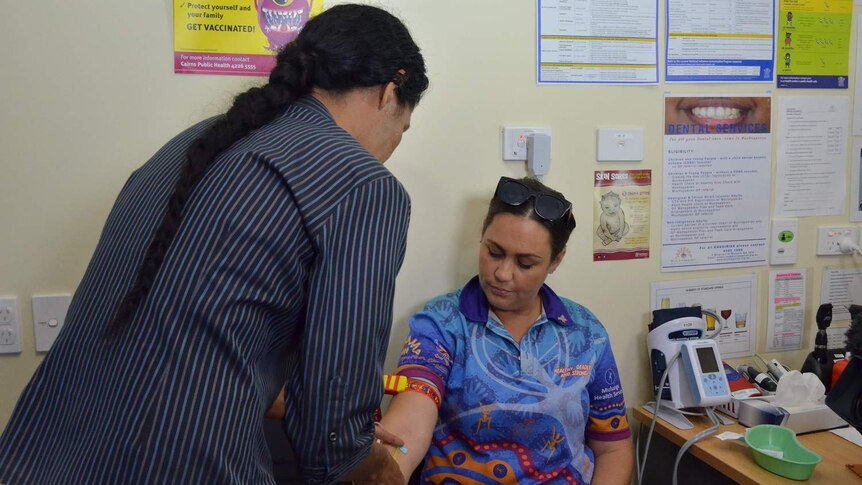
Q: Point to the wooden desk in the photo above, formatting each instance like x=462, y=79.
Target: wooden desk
x=736, y=461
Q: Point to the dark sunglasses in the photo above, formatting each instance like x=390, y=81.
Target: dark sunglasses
x=549, y=207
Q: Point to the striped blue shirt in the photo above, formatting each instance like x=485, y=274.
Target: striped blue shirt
x=282, y=274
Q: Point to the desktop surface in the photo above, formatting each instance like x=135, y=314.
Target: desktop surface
x=735, y=461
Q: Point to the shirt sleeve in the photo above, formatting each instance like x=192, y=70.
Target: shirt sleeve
x=607, y=421
x=427, y=352
x=348, y=320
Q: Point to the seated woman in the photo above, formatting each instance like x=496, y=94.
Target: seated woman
x=525, y=381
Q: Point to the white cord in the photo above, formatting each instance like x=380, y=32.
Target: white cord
x=641, y=466
x=694, y=439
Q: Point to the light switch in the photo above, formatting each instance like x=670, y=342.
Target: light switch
x=620, y=144
x=49, y=314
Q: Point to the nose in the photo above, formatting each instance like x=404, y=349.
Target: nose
x=503, y=272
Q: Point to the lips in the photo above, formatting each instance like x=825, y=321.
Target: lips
x=498, y=291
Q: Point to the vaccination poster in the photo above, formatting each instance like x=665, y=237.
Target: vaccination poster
x=621, y=214
x=237, y=37
x=717, y=160
x=814, y=43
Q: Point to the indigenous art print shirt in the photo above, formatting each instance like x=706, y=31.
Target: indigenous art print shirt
x=514, y=412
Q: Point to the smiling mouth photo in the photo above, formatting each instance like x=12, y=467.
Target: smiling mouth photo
x=715, y=111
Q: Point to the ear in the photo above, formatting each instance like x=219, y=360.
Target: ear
x=388, y=97
x=556, y=262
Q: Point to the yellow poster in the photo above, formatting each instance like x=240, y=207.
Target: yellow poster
x=236, y=36
x=621, y=214
x=814, y=44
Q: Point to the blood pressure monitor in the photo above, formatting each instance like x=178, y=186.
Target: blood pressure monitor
x=705, y=372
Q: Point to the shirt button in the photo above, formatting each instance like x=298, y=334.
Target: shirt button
x=333, y=436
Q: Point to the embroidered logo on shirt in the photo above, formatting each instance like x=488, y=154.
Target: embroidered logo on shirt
x=579, y=370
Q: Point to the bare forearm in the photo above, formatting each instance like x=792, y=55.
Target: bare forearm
x=411, y=416
x=614, y=462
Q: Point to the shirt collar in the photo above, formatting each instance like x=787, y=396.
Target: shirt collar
x=474, y=305
x=310, y=103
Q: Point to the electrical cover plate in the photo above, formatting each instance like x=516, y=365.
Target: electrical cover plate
x=829, y=238
x=49, y=315
x=620, y=144
x=515, y=141
x=783, y=241
x=10, y=328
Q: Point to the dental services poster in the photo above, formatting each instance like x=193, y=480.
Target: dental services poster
x=717, y=160
x=239, y=37
x=814, y=43
x=621, y=214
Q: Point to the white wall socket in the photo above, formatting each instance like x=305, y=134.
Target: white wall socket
x=10, y=326
x=829, y=239
x=515, y=141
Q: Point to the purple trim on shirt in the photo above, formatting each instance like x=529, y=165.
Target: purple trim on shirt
x=474, y=305
x=612, y=436
x=418, y=372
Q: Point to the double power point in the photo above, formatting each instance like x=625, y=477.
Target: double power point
x=10, y=326
x=837, y=240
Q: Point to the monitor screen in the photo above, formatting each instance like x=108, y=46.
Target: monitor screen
x=707, y=360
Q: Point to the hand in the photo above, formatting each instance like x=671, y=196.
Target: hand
x=388, y=474
x=385, y=437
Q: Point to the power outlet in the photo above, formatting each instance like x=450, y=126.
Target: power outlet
x=829, y=239
x=515, y=141
x=10, y=328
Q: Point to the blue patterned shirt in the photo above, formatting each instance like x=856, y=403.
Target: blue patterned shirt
x=282, y=274
x=514, y=412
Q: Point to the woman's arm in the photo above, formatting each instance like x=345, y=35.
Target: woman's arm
x=614, y=461
x=411, y=416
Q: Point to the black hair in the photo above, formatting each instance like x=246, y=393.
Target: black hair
x=345, y=47
x=560, y=230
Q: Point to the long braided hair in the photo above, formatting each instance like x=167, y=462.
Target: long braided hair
x=345, y=47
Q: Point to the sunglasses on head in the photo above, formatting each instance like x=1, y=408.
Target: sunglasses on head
x=549, y=207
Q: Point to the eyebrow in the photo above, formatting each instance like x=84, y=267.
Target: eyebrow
x=517, y=255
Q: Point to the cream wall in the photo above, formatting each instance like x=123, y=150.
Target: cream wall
x=88, y=94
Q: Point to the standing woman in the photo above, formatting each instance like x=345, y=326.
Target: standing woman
x=256, y=250
x=525, y=381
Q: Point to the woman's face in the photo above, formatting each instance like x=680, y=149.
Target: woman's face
x=514, y=260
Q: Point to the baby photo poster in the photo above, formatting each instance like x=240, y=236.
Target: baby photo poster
x=621, y=214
